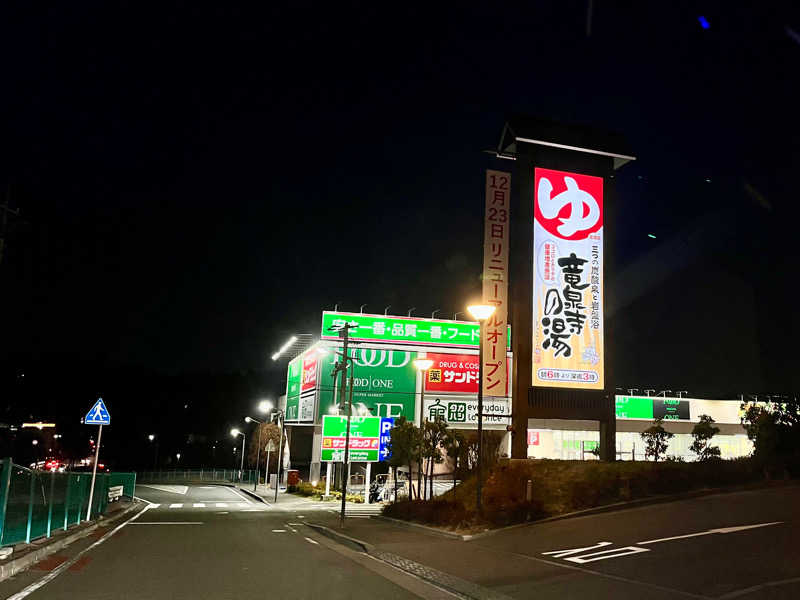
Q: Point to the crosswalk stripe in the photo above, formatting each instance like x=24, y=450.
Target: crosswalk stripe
x=154, y=505
x=176, y=505
x=222, y=505
x=199, y=505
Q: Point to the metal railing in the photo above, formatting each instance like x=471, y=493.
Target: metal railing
x=210, y=475
x=34, y=504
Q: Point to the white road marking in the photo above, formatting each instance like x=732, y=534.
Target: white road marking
x=154, y=505
x=755, y=588
x=316, y=543
x=222, y=505
x=294, y=523
x=199, y=505
x=606, y=554
x=168, y=523
x=176, y=505
x=710, y=532
x=172, y=489
x=252, y=510
x=300, y=517
x=242, y=504
x=563, y=553
x=67, y=564
x=224, y=512
x=278, y=531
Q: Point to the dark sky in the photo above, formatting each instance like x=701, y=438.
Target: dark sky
x=199, y=182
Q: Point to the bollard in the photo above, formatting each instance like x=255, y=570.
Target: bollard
x=529, y=491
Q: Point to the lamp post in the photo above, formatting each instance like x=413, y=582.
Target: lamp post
x=281, y=420
x=264, y=406
x=235, y=432
x=480, y=312
x=258, y=448
x=152, y=438
x=422, y=365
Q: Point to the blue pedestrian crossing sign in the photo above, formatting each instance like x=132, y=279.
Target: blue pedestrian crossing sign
x=98, y=415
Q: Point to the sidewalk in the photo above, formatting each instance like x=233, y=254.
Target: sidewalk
x=291, y=502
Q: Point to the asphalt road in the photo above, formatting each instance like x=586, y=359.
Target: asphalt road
x=211, y=542
x=735, y=545
x=215, y=542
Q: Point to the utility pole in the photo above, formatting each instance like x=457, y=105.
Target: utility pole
x=341, y=367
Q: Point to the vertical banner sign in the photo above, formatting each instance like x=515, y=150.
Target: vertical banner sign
x=568, y=345
x=495, y=281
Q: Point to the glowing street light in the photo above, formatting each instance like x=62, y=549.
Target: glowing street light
x=480, y=312
x=235, y=432
x=258, y=448
x=422, y=365
x=264, y=406
x=285, y=347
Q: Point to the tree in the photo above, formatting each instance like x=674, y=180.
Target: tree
x=433, y=435
x=702, y=433
x=269, y=431
x=774, y=429
x=656, y=439
x=455, y=446
x=404, y=446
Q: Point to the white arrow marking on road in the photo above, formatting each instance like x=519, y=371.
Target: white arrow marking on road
x=710, y=532
x=563, y=553
x=605, y=554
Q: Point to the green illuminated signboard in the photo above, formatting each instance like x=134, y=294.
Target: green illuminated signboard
x=650, y=407
x=403, y=330
x=633, y=407
x=384, y=383
x=293, y=374
x=364, y=439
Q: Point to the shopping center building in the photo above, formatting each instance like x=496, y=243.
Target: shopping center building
x=387, y=384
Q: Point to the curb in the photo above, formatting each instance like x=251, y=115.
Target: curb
x=252, y=495
x=445, y=581
x=426, y=528
x=343, y=539
x=22, y=563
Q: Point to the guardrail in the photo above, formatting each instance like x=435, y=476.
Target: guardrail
x=34, y=504
x=210, y=475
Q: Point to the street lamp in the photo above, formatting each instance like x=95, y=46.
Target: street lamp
x=281, y=421
x=152, y=437
x=234, y=433
x=480, y=312
x=258, y=449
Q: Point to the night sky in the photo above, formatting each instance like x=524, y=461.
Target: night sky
x=198, y=183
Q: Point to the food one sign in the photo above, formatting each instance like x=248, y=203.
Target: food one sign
x=368, y=438
x=568, y=342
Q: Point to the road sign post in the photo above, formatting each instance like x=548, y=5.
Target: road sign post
x=97, y=415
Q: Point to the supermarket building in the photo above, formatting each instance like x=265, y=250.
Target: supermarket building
x=387, y=384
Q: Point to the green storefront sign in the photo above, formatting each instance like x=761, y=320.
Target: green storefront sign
x=385, y=383
x=633, y=407
x=428, y=332
x=364, y=439
x=293, y=375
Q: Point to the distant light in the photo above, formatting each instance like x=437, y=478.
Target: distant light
x=178, y=456
x=35, y=442
x=708, y=180
x=265, y=406
x=38, y=425
x=650, y=235
x=151, y=437
x=235, y=432
x=703, y=22
x=247, y=419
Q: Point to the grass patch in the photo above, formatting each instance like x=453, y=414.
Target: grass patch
x=561, y=487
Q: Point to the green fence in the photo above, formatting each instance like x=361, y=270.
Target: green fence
x=34, y=504
x=218, y=475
